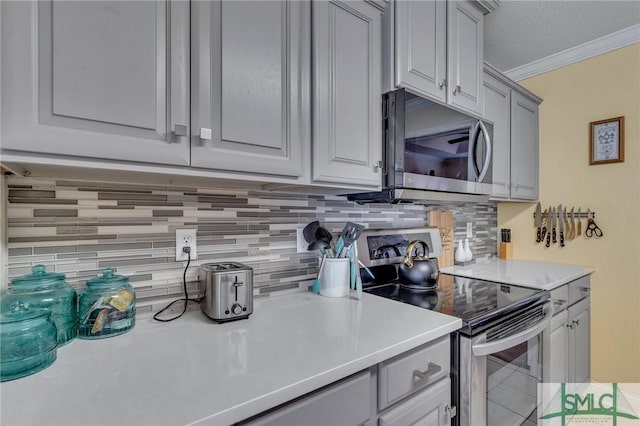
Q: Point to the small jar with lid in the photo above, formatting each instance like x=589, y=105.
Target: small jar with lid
x=47, y=290
x=28, y=340
x=107, y=307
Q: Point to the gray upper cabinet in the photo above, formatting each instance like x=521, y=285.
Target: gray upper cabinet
x=98, y=79
x=250, y=68
x=347, y=131
x=497, y=108
x=435, y=49
x=514, y=113
x=524, y=147
x=465, y=41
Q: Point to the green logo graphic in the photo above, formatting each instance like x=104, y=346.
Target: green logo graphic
x=568, y=405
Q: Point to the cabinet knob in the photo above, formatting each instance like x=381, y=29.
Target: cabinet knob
x=457, y=90
x=576, y=322
x=180, y=130
x=443, y=84
x=205, y=134
x=377, y=166
x=570, y=325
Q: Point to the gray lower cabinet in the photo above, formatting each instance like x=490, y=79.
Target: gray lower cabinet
x=97, y=79
x=411, y=388
x=514, y=113
x=347, y=133
x=568, y=358
x=250, y=67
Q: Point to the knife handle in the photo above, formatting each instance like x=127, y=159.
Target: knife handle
x=539, y=235
x=554, y=236
x=561, y=238
x=544, y=233
x=579, y=226
x=548, y=239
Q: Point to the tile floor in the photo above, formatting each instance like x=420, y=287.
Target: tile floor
x=511, y=393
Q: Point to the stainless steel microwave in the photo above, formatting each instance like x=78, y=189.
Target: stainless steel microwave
x=429, y=147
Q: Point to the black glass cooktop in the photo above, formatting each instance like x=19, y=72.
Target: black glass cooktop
x=479, y=304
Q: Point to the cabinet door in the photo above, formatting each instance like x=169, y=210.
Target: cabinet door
x=497, y=108
x=465, y=38
x=580, y=342
x=555, y=366
x=347, y=122
x=421, y=47
x=101, y=79
x=428, y=408
x=248, y=85
x=524, y=147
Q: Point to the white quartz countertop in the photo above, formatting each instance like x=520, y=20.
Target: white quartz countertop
x=526, y=273
x=193, y=370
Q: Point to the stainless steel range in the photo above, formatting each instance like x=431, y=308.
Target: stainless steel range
x=497, y=355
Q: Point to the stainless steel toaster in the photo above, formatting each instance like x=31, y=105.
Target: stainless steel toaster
x=228, y=291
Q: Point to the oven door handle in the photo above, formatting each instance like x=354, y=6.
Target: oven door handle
x=484, y=349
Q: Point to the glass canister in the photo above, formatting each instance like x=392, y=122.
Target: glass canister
x=28, y=341
x=107, y=307
x=48, y=290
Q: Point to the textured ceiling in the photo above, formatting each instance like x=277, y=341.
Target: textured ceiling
x=522, y=31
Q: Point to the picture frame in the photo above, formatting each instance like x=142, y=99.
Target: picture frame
x=606, y=141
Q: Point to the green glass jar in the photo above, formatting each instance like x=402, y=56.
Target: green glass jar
x=48, y=290
x=107, y=306
x=28, y=341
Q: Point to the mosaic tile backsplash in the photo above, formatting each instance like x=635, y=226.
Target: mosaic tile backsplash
x=79, y=228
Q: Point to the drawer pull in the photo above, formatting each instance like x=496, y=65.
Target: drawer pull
x=430, y=371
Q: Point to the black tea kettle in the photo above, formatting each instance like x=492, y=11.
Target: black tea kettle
x=418, y=272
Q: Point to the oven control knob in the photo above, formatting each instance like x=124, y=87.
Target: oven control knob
x=236, y=309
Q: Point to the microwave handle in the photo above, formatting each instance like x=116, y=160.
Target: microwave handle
x=475, y=134
x=487, y=154
x=484, y=349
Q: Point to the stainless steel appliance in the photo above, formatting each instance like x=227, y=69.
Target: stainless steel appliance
x=228, y=291
x=429, y=147
x=497, y=355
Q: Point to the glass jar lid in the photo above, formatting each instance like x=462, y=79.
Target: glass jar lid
x=108, y=279
x=38, y=278
x=20, y=311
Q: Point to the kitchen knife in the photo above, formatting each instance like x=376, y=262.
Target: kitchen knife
x=550, y=223
x=561, y=213
x=538, y=223
x=572, y=225
x=579, y=232
x=545, y=220
x=554, y=222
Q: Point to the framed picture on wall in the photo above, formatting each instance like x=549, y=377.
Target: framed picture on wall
x=606, y=141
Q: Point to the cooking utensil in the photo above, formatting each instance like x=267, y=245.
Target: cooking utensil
x=321, y=245
x=545, y=220
x=572, y=225
x=592, y=228
x=554, y=223
x=561, y=224
x=316, y=283
x=579, y=232
x=323, y=233
x=538, y=222
x=350, y=233
x=309, y=231
x=418, y=271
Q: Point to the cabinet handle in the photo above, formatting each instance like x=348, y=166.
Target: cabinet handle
x=451, y=410
x=180, y=130
x=576, y=322
x=443, y=84
x=558, y=303
x=430, y=371
x=205, y=134
x=457, y=90
x=377, y=166
x=584, y=290
x=570, y=326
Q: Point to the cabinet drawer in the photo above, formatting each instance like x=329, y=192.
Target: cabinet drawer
x=345, y=403
x=429, y=407
x=579, y=289
x=560, y=298
x=407, y=373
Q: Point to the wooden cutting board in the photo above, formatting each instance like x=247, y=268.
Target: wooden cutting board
x=444, y=221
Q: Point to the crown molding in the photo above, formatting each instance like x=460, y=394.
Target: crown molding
x=604, y=44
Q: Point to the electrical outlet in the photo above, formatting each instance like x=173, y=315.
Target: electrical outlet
x=469, y=229
x=301, y=243
x=186, y=238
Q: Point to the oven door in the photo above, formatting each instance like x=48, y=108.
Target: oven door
x=500, y=370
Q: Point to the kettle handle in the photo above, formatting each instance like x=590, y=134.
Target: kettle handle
x=408, y=258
